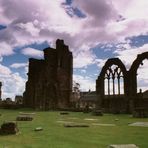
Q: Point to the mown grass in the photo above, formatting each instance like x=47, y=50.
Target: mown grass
x=55, y=135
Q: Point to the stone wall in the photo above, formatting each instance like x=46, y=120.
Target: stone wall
x=49, y=84
x=120, y=102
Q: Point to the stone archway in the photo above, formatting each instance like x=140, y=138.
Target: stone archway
x=140, y=103
x=117, y=71
x=117, y=102
x=113, y=69
x=133, y=72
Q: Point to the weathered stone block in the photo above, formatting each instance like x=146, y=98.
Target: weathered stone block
x=38, y=129
x=123, y=146
x=24, y=118
x=9, y=128
x=97, y=113
x=76, y=125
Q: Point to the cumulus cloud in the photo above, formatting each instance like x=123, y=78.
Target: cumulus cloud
x=32, y=52
x=4, y=70
x=5, y=49
x=99, y=15
x=100, y=62
x=83, y=59
x=47, y=20
x=12, y=83
x=85, y=82
x=142, y=78
x=130, y=53
x=83, y=71
x=104, y=21
x=18, y=65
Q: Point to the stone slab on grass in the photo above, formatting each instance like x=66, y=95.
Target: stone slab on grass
x=26, y=113
x=123, y=146
x=102, y=124
x=76, y=125
x=38, y=129
x=90, y=119
x=142, y=124
x=24, y=118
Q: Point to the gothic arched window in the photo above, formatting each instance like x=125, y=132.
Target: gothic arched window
x=114, y=81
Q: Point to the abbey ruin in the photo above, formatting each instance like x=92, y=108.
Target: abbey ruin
x=49, y=84
x=113, y=79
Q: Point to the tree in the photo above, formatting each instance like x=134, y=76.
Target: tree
x=75, y=94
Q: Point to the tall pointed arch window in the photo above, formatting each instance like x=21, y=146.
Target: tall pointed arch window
x=114, y=81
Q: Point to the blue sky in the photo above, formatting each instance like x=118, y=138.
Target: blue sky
x=94, y=30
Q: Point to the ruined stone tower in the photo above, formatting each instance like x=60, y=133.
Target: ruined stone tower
x=49, y=82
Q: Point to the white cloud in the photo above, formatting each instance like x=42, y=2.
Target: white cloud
x=4, y=70
x=5, y=49
x=12, y=83
x=83, y=71
x=128, y=55
x=85, y=82
x=142, y=78
x=46, y=20
x=100, y=62
x=32, y=52
x=18, y=65
x=83, y=59
x=132, y=8
x=30, y=27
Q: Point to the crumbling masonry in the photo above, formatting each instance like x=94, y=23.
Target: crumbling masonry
x=49, y=82
x=113, y=79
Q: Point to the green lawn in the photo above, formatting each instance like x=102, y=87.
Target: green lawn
x=55, y=135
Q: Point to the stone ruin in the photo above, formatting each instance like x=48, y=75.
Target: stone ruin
x=9, y=127
x=49, y=84
x=25, y=116
x=113, y=79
